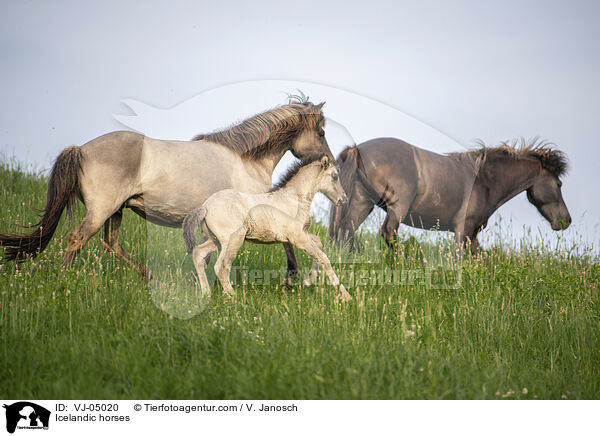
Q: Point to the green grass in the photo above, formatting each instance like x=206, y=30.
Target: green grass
x=520, y=325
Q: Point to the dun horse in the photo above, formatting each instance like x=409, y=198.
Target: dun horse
x=162, y=180
x=456, y=192
x=281, y=215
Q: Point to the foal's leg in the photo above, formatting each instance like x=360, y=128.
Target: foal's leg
x=314, y=270
x=199, y=255
x=307, y=244
x=110, y=242
x=229, y=249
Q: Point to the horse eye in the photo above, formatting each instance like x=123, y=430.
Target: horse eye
x=559, y=184
x=321, y=133
x=334, y=177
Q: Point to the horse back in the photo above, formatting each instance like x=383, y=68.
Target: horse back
x=111, y=167
x=389, y=169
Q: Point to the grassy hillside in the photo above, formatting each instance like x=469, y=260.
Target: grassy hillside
x=517, y=325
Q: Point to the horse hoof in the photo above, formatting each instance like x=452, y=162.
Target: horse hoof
x=344, y=295
x=287, y=288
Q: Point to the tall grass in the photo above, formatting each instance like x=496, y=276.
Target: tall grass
x=521, y=324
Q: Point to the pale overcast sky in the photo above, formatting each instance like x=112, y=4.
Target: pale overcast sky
x=493, y=70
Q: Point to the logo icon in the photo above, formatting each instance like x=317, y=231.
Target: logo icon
x=26, y=415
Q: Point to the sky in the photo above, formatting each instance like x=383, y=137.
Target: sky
x=467, y=70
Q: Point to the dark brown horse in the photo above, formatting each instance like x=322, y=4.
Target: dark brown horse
x=164, y=180
x=456, y=192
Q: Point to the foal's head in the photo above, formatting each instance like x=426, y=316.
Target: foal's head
x=328, y=181
x=315, y=173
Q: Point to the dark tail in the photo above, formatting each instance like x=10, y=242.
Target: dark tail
x=190, y=224
x=63, y=190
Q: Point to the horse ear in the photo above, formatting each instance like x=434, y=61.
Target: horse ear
x=325, y=162
x=320, y=105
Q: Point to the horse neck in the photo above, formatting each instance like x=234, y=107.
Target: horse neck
x=265, y=165
x=510, y=177
x=304, y=187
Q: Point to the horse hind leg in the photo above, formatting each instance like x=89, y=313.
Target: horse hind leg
x=199, y=255
x=88, y=228
x=110, y=242
x=229, y=250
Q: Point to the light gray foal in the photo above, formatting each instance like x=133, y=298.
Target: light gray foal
x=229, y=217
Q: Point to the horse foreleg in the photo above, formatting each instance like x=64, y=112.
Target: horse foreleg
x=110, y=242
x=308, y=245
x=292, y=262
x=466, y=234
x=475, y=247
x=472, y=240
x=395, y=214
x=314, y=270
x=353, y=215
x=389, y=229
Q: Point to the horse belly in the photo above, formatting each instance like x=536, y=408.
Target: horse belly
x=176, y=178
x=157, y=213
x=267, y=224
x=426, y=222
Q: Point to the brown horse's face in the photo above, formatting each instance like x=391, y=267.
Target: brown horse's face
x=546, y=195
x=312, y=141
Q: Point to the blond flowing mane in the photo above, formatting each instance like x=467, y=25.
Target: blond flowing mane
x=541, y=150
x=271, y=130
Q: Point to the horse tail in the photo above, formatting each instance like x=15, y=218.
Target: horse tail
x=190, y=224
x=63, y=189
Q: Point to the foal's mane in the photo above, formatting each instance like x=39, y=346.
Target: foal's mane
x=293, y=170
x=553, y=160
x=261, y=134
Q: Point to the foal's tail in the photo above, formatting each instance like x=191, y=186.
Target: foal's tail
x=63, y=189
x=190, y=224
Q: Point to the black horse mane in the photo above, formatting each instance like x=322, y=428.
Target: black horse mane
x=552, y=159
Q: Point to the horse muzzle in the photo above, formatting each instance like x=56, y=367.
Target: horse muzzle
x=562, y=223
